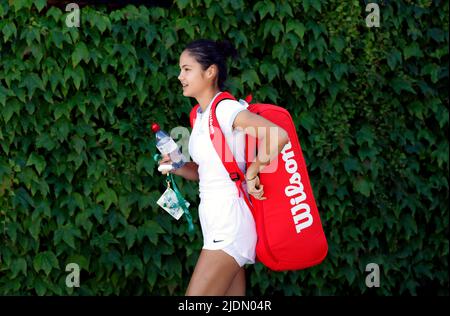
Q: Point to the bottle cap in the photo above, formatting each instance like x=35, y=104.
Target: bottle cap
x=155, y=127
x=162, y=168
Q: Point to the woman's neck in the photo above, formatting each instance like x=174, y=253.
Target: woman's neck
x=206, y=98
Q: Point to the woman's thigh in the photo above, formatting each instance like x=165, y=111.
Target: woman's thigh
x=237, y=287
x=213, y=274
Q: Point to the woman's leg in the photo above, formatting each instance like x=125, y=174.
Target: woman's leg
x=213, y=274
x=237, y=287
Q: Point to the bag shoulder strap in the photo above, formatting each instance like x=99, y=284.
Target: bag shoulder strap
x=223, y=150
x=193, y=115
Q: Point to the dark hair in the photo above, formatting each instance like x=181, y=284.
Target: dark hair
x=209, y=52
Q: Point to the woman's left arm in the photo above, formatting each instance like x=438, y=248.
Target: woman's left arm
x=271, y=137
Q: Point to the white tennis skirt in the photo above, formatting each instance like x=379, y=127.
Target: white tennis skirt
x=227, y=224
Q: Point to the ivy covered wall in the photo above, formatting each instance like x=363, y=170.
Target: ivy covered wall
x=78, y=183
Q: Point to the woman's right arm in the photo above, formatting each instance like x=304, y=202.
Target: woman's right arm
x=189, y=171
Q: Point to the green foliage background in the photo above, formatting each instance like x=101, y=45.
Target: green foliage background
x=77, y=178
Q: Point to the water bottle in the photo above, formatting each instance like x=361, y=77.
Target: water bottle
x=166, y=145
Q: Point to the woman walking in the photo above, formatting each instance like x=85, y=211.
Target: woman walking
x=228, y=228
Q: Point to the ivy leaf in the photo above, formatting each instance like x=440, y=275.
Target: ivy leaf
x=399, y=84
x=37, y=161
x=250, y=77
x=320, y=75
x=124, y=202
x=297, y=27
x=35, y=228
x=298, y=76
x=102, y=22
x=270, y=70
x=54, y=12
x=270, y=93
x=437, y=34
x=306, y=4
x=293, y=38
x=173, y=265
x=78, y=200
x=40, y=4
x=365, y=134
x=316, y=28
x=339, y=70
x=19, y=265
x=307, y=121
x=40, y=286
x=45, y=141
x=67, y=234
x=264, y=7
x=412, y=50
x=424, y=269
x=351, y=164
x=170, y=37
x=349, y=272
x=130, y=235
x=132, y=262
x=80, y=260
x=276, y=28
x=45, y=261
x=19, y=4
x=57, y=38
x=279, y=53
x=394, y=58
x=102, y=241
x=316, y=5
x=362, y=186
x=108, y=196
x=151, y=229
x=78, y=143
x=8, y=30
x=409, y=225
x=182, y=4
x=338, y=43
x=285, y=9
x=151, y=277
x=213, y=10
x=81, y=52
x=433, y=70
x=42, y=210
x=150, y=34
x=32, y=82
x=184, y=24
x=12, y=107
x=31, y=34
x=62, y=109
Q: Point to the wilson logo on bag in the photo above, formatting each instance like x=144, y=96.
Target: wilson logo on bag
x=288, y=225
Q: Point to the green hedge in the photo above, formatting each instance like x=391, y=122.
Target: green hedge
x=77, y=178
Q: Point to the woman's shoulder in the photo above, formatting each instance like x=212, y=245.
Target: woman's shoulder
x=227, y=112
x=229, y=105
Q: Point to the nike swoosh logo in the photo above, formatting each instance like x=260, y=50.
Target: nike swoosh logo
x=217, y=240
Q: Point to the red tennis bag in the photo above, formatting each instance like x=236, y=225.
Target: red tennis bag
x=289, y=230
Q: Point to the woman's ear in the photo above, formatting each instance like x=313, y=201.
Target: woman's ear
x=212, y=71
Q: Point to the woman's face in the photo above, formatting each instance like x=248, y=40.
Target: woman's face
x=193, y=78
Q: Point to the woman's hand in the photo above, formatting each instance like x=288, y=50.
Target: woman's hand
x=255, y=188
x=165, y=161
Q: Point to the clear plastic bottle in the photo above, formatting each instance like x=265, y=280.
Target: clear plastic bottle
x=166, y=145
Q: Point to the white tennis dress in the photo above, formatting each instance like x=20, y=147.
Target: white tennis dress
x=226, y=220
